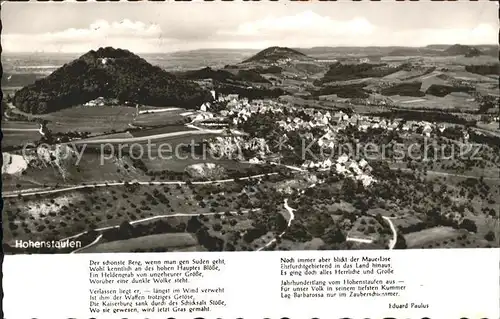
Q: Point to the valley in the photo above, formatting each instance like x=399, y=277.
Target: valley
x=283, y=149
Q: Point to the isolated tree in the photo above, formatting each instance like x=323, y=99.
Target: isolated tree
x=400, y=242
x=162, y=226
x=490, y=236
x=280, y=223
x=469, y=225
x=194, y=224
x=126, y=230
x=333, y=235
x=233, y=222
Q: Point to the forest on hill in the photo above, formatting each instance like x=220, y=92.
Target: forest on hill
x=108, y=73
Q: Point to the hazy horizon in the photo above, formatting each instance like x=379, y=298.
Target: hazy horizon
x=246, y=49
x=169, y=27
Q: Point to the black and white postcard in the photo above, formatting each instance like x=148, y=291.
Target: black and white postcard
x=184, y=159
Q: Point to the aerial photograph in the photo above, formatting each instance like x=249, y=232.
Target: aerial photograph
x=242, y=126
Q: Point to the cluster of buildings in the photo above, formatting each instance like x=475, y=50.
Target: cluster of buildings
x=241, y=110
x=334, y=122
x=100, y=101
x=428, y=129
x=281, y=62
x=317, y=119
x=305, y=121
x=234, y=147
x=357, y=170
x=205, y=115
x=370, y=101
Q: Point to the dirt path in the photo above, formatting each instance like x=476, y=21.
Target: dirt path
x=97, y=240
x=141, y=138
x=394, y=239
x=359, y=240
x=292, y=217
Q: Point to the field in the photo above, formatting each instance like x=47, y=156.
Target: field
x=430, y=235
x=161, y=130
x=171, y=117
x=179, y=165
x=169, y=242
x=445, y=237
x=95, y=161
x=121, y=135
x=92, y=208
x=10, y=90
x=8, y=126
x=445, y=60
x=453, y=101
x=17, y=139
x=94, y=119
x=73, y=170
x=176, y=153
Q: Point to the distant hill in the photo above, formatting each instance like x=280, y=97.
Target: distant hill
x=466, y=50
x=109, y=73
x=274, y=54
x=223, y=75
x=206, y=73
x=485, y=69
x=19, y=79
x=249, y=92
x=342, y=91
x=438, y=50
x=441, y=90
x=414, y=52
x=491, y=51
x=404, y=89
x=214, y=52
x=346, y=72
x=342, y=51
x=441, y=47
x=482, y=47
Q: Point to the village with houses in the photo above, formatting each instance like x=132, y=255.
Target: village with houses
x=324, y=127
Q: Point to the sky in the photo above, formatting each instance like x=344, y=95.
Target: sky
x=151, y=27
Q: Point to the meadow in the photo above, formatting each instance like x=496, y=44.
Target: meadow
x=171, y=117
x=18, y=139
x=445, y=237
x=96, y=120
x=167, y=242
x=161, y=130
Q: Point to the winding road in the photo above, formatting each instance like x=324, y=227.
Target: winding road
x=97, y=240
x=114, y=183
x=394, y=239
x=392, y=242
x=141, y=138
x=167, y=109
x=360, y=240
x=292, y=217
x=290, y=210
